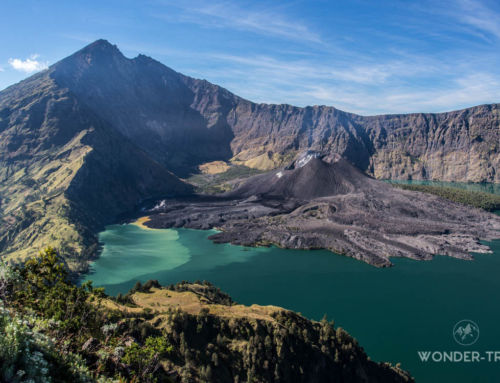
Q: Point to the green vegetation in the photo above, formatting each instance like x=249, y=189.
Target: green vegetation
x=34, y=210
x=221, y=182
x=486, y=201
x=54, y=331
x=65, y=173
x=146, y=358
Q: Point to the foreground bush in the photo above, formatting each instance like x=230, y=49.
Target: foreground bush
x=52, y=330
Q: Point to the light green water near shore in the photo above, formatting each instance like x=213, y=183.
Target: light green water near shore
x=393, y=312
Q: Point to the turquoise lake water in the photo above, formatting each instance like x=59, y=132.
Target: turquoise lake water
x=393, y=312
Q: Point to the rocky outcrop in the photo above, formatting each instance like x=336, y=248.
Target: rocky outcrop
x=456, y=146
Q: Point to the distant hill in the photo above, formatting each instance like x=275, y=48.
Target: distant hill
x=97, y=133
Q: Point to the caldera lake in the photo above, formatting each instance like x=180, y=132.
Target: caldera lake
x=394, y=312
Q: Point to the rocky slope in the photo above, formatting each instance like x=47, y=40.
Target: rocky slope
x=150, y=104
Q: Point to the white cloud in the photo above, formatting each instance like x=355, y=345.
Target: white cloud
x=29, y=65
x=396, y=85
x=288, y=71
x=223, y=14
x=460, y=92
x=480, y=16
x=477, y=18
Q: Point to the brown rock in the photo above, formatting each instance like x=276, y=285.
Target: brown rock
x=91, y=345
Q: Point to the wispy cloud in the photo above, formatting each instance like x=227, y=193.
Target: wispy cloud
x=267, y=22
x=478, y=17
x=402, y=85
x=369, y=73
x=471, y=90
x=425, y=56
x=30, y=65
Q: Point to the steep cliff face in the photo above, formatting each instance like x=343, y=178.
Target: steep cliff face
x=456, y=146
x=148, y=103
x=460, y=146
x=278, y=132
x=182, y=122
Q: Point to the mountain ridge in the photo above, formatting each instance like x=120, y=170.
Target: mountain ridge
x=88, y=139
x=266, y=136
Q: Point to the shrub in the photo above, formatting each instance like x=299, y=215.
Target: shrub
x=28, y=355
x=44, y=287
x=145, y=360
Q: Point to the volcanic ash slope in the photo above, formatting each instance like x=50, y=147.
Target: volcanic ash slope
x=318, y=204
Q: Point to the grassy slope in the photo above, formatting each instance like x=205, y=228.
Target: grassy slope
x=64, y=173
x=221, y=182
x=35, y=174
x=200, y=322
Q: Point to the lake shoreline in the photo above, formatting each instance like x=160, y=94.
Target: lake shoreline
x=141, y=222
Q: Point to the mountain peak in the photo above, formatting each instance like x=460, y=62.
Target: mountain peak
x=101, y=45
x=100, y=55
x=98, y=51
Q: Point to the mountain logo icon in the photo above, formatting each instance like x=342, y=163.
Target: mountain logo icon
x=466, y=332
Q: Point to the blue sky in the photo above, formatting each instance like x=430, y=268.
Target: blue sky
x=362, y=56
